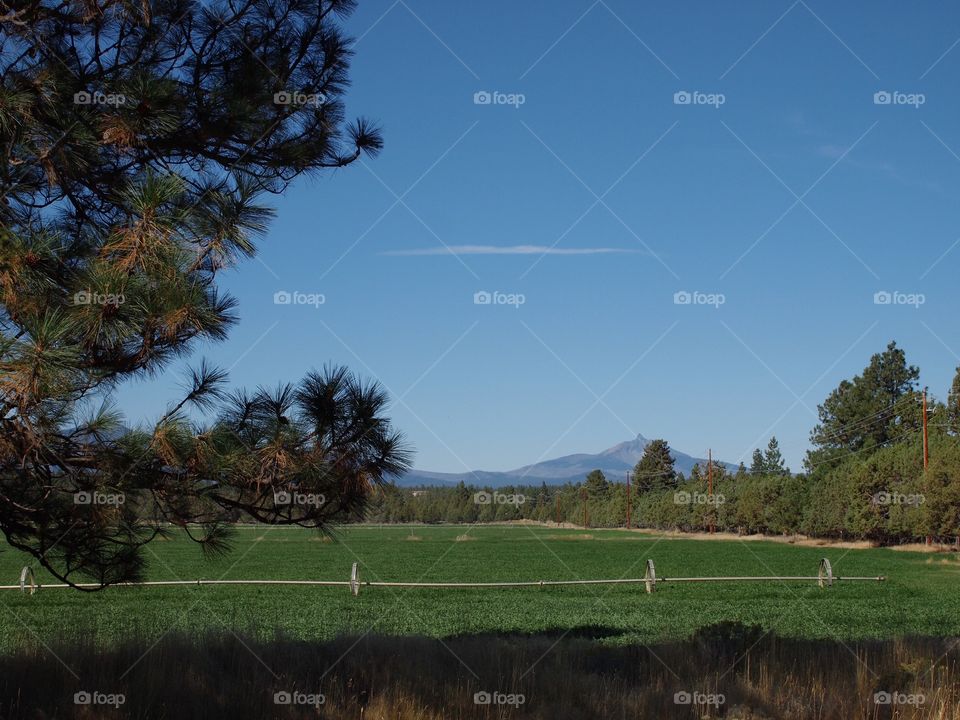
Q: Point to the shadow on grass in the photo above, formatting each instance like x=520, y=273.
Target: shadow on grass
x=728, y=670
x=590, y=632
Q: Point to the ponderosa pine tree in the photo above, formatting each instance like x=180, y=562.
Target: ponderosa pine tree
x=138, y=139
x=597, y=485
x=773, y=459
x=655, y=469
x=877, y=408
x=696, y=474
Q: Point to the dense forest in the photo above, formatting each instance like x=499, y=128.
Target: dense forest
x=864, y=477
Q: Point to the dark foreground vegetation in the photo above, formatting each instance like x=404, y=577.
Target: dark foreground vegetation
x=141, y=144
x=730, y=670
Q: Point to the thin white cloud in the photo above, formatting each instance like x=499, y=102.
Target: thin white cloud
x=508, y=250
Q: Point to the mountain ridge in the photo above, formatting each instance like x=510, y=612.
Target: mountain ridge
x=615, y=462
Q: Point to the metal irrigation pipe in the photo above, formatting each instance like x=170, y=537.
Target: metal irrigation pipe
x=735, y=578
x=824, y=578
x=185, y=582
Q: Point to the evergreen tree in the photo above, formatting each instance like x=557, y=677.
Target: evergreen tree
x=953, y=405
x=758, y=465
x=597, y=485
x=543, y=496
x=773, y=459
x=655, y=469
x=719, y=470
x=877, y=408
x=138, y=141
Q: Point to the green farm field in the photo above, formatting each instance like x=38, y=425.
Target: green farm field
x=918, y=598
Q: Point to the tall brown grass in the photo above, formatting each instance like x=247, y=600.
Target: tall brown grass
x=413, y=678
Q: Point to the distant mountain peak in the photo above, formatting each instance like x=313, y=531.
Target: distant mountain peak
x=615, y=462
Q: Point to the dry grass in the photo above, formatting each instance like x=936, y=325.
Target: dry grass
x=792, y=539
x=466, y=537
x=760, y=677
x=577, y=536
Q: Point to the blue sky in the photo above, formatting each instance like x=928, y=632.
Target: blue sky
x=783, y=189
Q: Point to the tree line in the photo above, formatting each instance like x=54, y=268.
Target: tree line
x=863, y=478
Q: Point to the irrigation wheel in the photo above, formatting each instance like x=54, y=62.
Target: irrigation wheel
x=825, y=574
x=650, y=577
x=27, y=580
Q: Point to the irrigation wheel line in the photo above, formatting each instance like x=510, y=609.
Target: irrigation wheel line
x=27, y=580
x=823, y=578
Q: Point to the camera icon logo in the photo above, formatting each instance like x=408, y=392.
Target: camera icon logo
x=482, y=498
x=482, y=97
x=82, y=98
x=882, y=97
x=882, y=297
x=482, y=698
x=882, y=698
x=82, y=498
x=282, y=698
x=282, y=297
x=482, y=297
x=283, y=98
x=82, y=297
x=682, y=97
x=82, y=698
x=682, y=297
x=682, y=698
x=282, y=498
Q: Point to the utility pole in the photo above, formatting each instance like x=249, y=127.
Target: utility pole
x=583, y=495
x=628, y=499
x=926, y=447
x=710, y=487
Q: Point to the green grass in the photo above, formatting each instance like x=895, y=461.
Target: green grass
x=920, y=596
